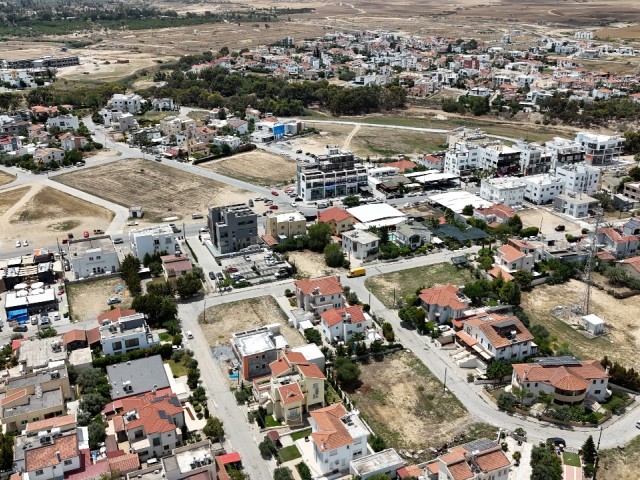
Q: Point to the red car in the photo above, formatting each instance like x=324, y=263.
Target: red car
x=231, y=269
x=273, y=192
x=85, y=234
x=273, y=207
x=65, y=241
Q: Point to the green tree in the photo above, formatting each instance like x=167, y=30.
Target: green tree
x=92, y=403
x=377, y=443
x=214, y=428
x=510, y=293
x=347, y=372
x=351, y=201
x=91, y=378
x=304, y=471
x=158, y=309
x=545, y=464
x=507, y=401
x=313, y=336
x=188, y=285
x=6, y=451
x=47, y=332
x=589, y=452
x=515, y=223
x=97, y=434
x=498, y=369
x=523, y=279
x=267, y=448
x=319, y=236
x=130, y=272
x=333, y=255
x=282, y=473
x=467, y=210
x=415, y=316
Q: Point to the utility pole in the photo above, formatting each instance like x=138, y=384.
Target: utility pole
x=595, y=466
x=445, y=380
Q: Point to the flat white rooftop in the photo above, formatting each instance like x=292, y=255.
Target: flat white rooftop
x=375, y=212
x=456, y=201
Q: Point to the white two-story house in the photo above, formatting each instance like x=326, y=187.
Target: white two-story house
x=319, y=294
x=498, y=337
x=338, y=437
x=340, y=324
x=443, y=302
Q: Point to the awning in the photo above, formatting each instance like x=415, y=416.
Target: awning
x=481, y=352
x=365, y=188
x=466, y=338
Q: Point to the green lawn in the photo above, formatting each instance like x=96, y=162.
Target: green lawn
x=301, y=434
x=178, y=369
x=571, y=459
x=166, y=337
x=330, y=394
x=289, y=453
x=398, y=285
x=269, y=421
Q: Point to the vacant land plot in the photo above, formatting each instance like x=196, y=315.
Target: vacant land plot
x=42, y=214
x=547, y=222
x=621, y=317
x=257, y=167
x=87, y=300
x=622, y=464
x=401, y=400
x=398, y=285
x=312, y=264
x=221, y=321
x=386, y=142
x=6, y=178
x=161, y=190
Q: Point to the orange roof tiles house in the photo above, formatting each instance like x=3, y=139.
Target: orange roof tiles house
x=61, y=455
x=570, y=381
x=339, y=220
x=478, y=459
x=340, y=324
x=319, y=294
x=443, y=302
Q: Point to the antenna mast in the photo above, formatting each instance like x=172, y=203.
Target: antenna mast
x=593, y=249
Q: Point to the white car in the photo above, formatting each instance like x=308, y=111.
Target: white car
x=132, y=224
x=25, y=243
x=189, y=334
x=293, y=204
x=18, y=244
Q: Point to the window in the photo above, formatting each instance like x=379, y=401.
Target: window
x=117, y=345
x=601, y=381
x=156, y=442
x=597, y=392
x=39, y=472
x=156, y=242
x=333, y=453
x=90, y=259
x=535, y=384
x=166, y=447
x=68, y=462
x=138, y=434
x=132, y=342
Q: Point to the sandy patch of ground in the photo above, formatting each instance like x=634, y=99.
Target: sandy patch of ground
x=329, y=135
x=87, y=300
x=43, y=214
x=620, y=316
x=9, y=197
x=618, y=464
x=312, y=264
x=221, y=321
x=6, y=178
x=385, y=142
x=162, y=191
x=401, y=400
x=257, y=167
x=547, y=222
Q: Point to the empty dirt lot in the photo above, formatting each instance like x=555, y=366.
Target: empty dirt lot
x=161, y=191
x=257, y=167
x=89, y=299
x=620, y=316
x=312, y=264
x=401, y=400
x=223, y=320
x=44, y=213
x=6, y=178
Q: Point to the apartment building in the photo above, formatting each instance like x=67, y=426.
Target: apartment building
x=156, y=239
x=542, y=189
x=127, y=103
x=255, y=350
x=64, y=122
x=577, y=206
x=632, y=191
x=534, y=159
x=337, y=173
x=360, y=244
x=130, y=332
x=285, y=225
x=502, y=159
x=462, y=159
x=600, y=149
x=93, y=256
x=579, y=178
x=506, y=190
x=564, y=151
x=233, y=227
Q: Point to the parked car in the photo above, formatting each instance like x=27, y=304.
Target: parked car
x=132, y=224
x=231, y=269
x=21, y=328
x=66, y=240
x=45, y=320
x=247, y=258
x=34, y=319
x=258, y=199
x=220, y=276
x=299, y=151
x=212, y=275
x=638, y=424
x=273, y=207
x=98, y=231
x=25, y=243
x=118, y=240
x=85, y=234
x=113, y=301
x=274, y=193
x=18, y=244
x=557, y=441
x=559, y=228
x=204, y=230
x=293, y=204
x=189, y=334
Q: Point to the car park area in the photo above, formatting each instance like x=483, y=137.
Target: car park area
x=255, y=267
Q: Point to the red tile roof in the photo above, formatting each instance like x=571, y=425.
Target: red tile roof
x=410, y=471
x=233, y=457
x=495, y=333
x=443, y=296
x=326, y=285
x=291, y=393
x=93, y=336
x=510, y=254
x=565, y=377
x=9, y=399
x=633, y=262
x=124, y=464
x=49, y=423
x=310, y=370
x=496, y=272
x=295, y=360
x=336, y=315
x=460, y=470
x=154, y=412
x=47, y=456
x=402, y=165
x=466, y=338
x=491, y=461
x=331, y=433
x=75, y=335
x=15, y=344
x=114, y=315
x=335, y=214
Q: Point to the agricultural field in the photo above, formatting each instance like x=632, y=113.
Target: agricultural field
x=257, y=167
x=401, y=400
x=6, y=178
x=219, y=322
x=400, y=284
x=620, y=316
x=36, y=211
x=87, y=300
x=162, y=191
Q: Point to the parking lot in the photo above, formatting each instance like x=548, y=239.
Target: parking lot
x=258, y=266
